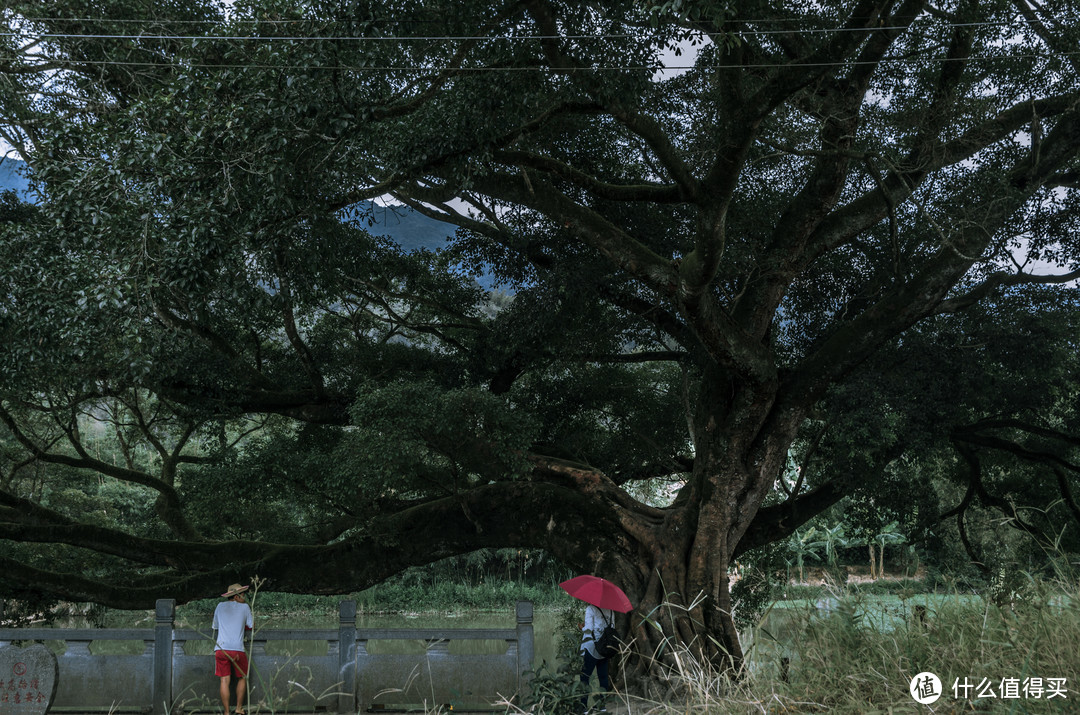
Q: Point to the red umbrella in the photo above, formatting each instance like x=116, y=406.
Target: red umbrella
x=599, y=592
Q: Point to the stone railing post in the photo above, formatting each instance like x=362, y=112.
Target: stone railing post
x=347, y=656
x=524, y=612
x=161, y=689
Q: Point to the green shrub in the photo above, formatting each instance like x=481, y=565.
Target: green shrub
x=556, y=688
x=555, y=691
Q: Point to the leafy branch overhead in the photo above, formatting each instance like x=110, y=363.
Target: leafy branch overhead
x=690, y=245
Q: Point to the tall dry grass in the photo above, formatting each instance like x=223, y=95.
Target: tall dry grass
x=853, y=657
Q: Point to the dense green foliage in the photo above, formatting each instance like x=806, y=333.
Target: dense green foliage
x=824, y=269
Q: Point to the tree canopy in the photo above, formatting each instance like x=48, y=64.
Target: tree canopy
x=720, y=229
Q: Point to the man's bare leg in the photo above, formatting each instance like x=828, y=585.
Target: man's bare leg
x=225, y=682
x=241, y=688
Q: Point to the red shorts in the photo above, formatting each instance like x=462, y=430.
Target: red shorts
x=230, y=662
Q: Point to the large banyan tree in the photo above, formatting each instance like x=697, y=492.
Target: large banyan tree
x=691, y=223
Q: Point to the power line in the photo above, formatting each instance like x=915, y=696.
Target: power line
x=235, y=21
x=462, y=38
x=307, y=38
x=1015, y=19
x=446, y=68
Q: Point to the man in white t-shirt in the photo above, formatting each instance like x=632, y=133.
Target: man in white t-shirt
x=232, y=619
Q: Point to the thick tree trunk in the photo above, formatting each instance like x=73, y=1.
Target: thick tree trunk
x=684, y=599
x=681, y=593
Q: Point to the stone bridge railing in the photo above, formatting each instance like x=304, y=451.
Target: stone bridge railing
x=164, y=678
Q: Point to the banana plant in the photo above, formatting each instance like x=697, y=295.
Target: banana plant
x=888, y=535
x=803, y=546
x=831, y=539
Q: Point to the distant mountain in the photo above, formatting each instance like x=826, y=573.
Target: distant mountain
x=414, y=231
x=409, y=229
x=11, y=178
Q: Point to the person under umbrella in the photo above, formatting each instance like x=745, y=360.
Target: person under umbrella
x=603, y=599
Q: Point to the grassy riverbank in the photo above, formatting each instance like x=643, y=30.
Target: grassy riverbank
x=852, y=651
x=857, y=650
x=1016, y=656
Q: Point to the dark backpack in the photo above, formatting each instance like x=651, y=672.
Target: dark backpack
x=607, y=644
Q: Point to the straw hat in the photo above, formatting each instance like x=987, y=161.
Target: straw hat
x=234, y=589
